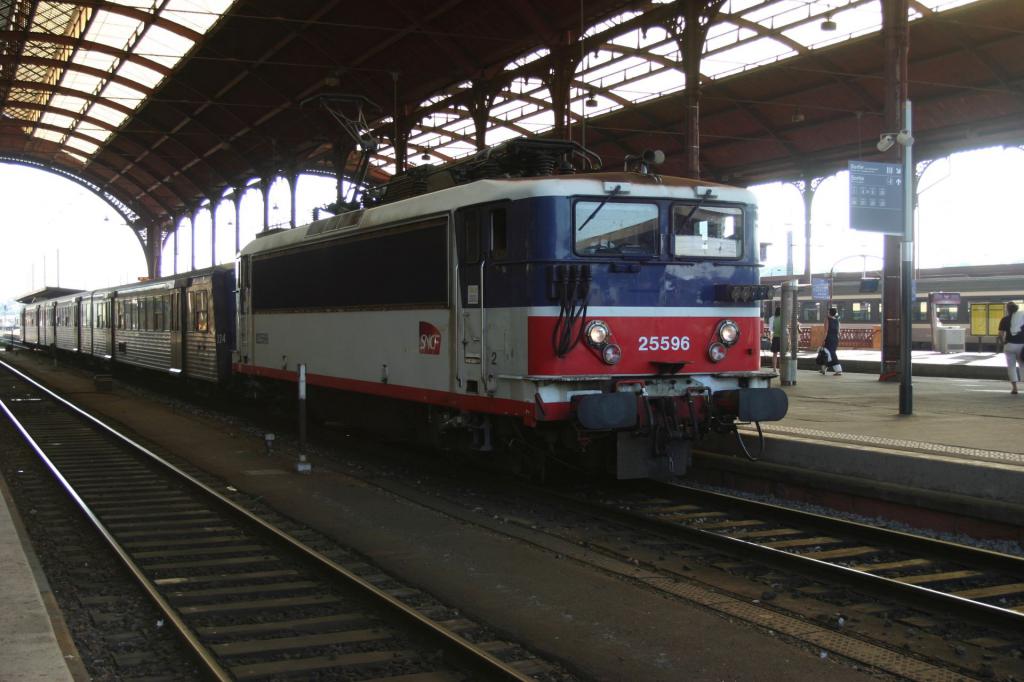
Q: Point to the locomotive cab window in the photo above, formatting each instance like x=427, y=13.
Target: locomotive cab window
x=707, y=232
x=616, y=228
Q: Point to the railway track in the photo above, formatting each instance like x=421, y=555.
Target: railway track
x=985, y=586
x=249, y=600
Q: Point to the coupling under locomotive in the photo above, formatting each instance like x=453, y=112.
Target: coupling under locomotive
x=611, y=315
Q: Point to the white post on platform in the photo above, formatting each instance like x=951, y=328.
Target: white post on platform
x=789, y=338
x=302, y=466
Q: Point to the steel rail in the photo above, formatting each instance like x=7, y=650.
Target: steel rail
x=468, y=654
x=917, y=594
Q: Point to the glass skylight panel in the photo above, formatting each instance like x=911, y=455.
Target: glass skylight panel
x=744, y=56
x=76, y=155
x=51, y=135
x=610, y=23
x=137, y=73
x=68, y=102
x=500, y=134
x=522, y=61
x=58, y=120
x=198, y=15
x=161, y=45
x=943, y=5
x=541, y=120
x=82, y=82
x=730, y=35
x=114, y=30
x=106, y=114
x=782, y=13
x=82, y=145
x=92, y=59
x=659, y=83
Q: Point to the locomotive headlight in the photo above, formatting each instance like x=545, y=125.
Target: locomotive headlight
x=716, y=352
x=728, y=332
x=611, y=354
x=597, y=334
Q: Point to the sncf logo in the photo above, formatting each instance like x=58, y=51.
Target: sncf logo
x=430, y=339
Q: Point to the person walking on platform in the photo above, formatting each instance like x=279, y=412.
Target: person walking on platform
x=776, y=337
x=1011, y=331
x=832, y=343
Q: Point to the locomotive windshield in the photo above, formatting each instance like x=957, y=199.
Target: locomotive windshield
x=616, y=228
x=708, y=232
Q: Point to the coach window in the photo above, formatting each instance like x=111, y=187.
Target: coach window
x=198, y=303
x=810, y=312
x=707, y=231
x=920, y=311
x=609, y=228
x=860, y=311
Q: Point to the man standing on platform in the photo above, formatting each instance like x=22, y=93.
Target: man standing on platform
x=1011, y=331
x=776, y=336
x=832, y=343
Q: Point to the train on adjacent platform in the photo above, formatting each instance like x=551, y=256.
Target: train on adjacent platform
x=613, y=316
x=857, y=297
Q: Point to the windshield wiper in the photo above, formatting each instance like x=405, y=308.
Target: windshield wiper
x=604, y=201
x=696, y=207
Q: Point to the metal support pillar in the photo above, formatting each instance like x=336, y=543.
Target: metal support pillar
x=693, y=46
x=154, y=251
x=480, y=110
x=810, y=186
x=697, y=16
x=293, y=187
x=907, y=269
x=790, y=337
x=265, y=183
x=896, y=36
x=192, y=241
x=559, y=82
x=213, y=233
x=237, y=199
x=177, y=226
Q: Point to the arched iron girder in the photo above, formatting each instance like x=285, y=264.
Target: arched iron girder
x=132, y=215
x=95, y=159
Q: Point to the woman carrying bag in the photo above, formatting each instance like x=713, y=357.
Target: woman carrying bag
x=827, y=355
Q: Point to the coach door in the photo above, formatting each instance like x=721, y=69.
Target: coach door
x=173, y=315
x=469, y=237
x=476, y=230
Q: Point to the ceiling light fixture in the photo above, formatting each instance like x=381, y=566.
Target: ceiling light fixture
x=828, y=24
x=591, y=100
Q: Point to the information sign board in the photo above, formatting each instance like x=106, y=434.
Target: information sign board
x=821, y=288
x=876, y=197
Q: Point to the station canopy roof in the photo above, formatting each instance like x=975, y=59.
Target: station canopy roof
x=161, y=105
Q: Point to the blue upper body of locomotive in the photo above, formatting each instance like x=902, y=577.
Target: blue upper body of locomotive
x=526, y=236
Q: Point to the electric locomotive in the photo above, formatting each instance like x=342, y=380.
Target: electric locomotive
x=613, y=316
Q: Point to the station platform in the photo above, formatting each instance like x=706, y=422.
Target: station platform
x=30, y=649
x=962, y=446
